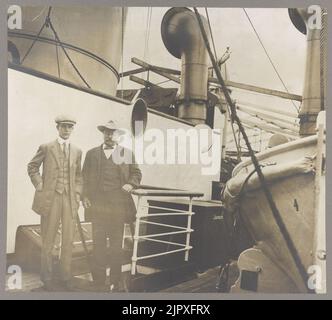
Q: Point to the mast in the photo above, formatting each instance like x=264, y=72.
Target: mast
x=314, y=91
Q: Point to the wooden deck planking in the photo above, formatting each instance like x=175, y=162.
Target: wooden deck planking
x=205, y=282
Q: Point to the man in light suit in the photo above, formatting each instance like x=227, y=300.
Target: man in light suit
x=107, y=199
x=57, y=196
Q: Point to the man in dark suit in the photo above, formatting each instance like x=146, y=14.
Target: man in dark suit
x=108, y=180
x=57, y=196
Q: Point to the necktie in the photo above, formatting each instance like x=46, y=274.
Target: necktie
x=108, y=147
x=65, y=150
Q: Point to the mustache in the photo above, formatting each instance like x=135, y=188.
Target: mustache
x=111, y=140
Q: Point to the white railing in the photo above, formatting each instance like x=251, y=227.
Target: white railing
x=142, y=218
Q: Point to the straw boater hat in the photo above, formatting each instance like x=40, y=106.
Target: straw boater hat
x=65, y=119
x=110, y=125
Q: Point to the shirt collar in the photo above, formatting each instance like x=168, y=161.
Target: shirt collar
x=63, y=141
x=105, y=146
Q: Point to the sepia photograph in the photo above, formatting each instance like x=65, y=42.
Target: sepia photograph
x=166, y=149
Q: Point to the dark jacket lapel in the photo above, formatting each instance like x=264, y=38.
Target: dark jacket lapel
x=99, y=154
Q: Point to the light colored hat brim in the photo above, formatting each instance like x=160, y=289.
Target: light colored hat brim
x=66, y=122
x=102, y=129
x=65, y=118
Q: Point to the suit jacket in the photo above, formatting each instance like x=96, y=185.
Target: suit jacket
x=48, y=156
x=129, y=173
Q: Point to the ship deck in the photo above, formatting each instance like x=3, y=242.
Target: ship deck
x=199, y=283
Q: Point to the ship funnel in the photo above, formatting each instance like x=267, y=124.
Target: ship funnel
x=182, y=37
x=314, y=92
x=90, y=48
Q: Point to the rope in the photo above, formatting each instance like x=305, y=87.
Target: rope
x=275, y=212
x=147, y=33
x=162, y=82
x=37, y=36
x=57, y=59
x=49, y=23
x=214, y=47
x=225, y=66
x=38, y=15
x=268, y=56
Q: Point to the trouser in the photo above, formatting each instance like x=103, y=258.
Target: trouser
x=60, y=213
x=107, y=233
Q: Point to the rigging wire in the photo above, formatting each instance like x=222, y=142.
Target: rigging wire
x=225, y=66
x=278, y=126
x=214, y=47
x=287, y=114
x=269, y=57
x=147, y=34
x=57, y=58
x=216, y=58
x=38, y=15
x=146, y=41
x=268, y=117
x=49, y=23
x=235, y=139
x=162, y=82
x=36, y=37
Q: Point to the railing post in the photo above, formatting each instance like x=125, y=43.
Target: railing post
x=139, y=216
x=186, y=257
x=136, y=235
